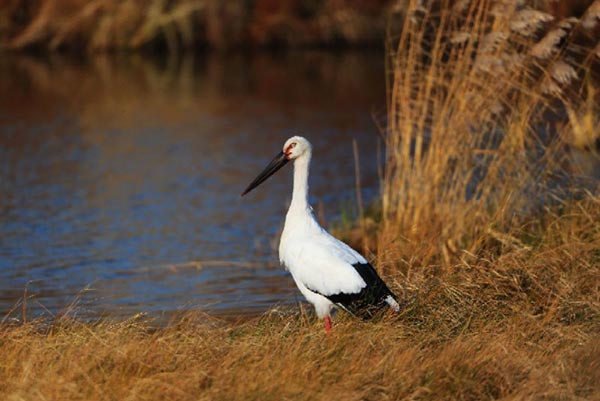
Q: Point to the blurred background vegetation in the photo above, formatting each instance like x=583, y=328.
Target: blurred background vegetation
x=172, y=24
x=100, y=25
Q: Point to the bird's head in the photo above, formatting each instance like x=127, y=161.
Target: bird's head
x=293, y=148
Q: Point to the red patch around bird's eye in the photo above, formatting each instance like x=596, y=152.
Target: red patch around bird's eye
x=288, y=150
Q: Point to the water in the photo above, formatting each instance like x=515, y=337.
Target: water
x=121, y=175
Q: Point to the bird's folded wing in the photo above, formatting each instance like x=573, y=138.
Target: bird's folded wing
x=325, y=267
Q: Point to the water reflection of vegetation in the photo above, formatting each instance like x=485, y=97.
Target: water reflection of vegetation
x=105, y=82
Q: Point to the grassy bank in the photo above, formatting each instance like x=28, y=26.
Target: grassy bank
x=485, y=232
x=520, y=326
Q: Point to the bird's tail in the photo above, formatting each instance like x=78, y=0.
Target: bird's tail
x=391, y=301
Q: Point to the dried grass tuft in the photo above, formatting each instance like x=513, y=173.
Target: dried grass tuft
x=562, y=72
x=528, y=22
x=591, y=18
x=550, y=44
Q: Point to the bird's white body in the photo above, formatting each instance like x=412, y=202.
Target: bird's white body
x=316, y=269
x=320, y=264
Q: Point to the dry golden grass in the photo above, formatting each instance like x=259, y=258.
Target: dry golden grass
x=520, y=326
x=480, y=109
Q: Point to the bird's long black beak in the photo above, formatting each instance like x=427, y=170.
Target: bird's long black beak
x=278, y=162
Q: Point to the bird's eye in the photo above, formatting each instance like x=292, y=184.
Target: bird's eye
x=293, y=144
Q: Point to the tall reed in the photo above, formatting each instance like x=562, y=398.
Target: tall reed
x=477, y=95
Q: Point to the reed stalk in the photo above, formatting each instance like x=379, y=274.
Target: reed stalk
x=479, y=91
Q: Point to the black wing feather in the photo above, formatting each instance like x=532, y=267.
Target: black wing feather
x=370, y=299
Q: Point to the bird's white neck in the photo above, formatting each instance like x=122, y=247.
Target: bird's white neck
x=300, y=194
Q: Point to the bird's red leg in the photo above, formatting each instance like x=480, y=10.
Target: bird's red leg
x=327, y=324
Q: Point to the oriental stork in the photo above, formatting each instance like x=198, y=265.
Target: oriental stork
x=327, y=271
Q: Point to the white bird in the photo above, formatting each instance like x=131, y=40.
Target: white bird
x=327, y=271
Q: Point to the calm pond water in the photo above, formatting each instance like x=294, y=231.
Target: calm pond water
x=121, y=176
